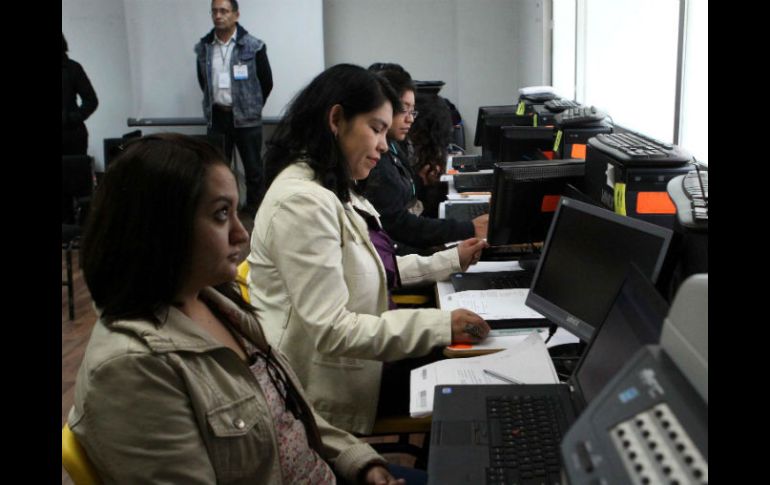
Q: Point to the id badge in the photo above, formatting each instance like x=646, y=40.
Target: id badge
x=224, y=81
x=240, y=72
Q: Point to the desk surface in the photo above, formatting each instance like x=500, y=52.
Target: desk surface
x=444, y=288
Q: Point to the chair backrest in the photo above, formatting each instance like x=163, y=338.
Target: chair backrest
x=75, y=460
x=243, y=280
x=77, y=175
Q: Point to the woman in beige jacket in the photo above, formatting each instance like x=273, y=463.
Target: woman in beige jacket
x=178, y=383
x=316, y=278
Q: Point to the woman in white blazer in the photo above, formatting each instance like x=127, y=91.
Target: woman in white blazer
x=317, y=281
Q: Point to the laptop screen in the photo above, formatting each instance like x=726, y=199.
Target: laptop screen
x=634, y=320
x=585, y=258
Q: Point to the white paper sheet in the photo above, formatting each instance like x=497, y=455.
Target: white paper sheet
x=527, y=362
x=491, y=304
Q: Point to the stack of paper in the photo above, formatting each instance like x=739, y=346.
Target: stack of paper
x=491, y=304
x=528, y=362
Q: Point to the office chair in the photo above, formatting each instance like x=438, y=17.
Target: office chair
x=458, y=135
x=75, y=460
x=243, y=280
x=77, y=187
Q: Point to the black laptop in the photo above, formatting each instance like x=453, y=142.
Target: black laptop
x=500, y=434
x=474, y=182
x=491, y=280
x=465, y=211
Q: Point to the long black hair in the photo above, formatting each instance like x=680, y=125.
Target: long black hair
x=304, y=131
x=431, y=133
x=137, y=245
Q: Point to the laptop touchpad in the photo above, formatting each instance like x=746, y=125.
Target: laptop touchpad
x=454, y=433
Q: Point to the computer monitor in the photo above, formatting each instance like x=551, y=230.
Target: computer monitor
x=525, y=142
x=484, y=111
x=584, y=260
x=492, y=133
x=525, y=196
x=635, y=319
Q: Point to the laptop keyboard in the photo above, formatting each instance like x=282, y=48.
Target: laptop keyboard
x=480, y=182
x=491, y=280
x=525, y=433
x=466, y=211
x=508, y=280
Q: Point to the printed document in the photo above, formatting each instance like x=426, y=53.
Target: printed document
x=528, y=362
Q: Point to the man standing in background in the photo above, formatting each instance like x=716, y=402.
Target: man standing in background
x=234, y=74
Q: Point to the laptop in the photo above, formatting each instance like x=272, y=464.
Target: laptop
x=466, y=211
x=484, y=434
x=492, y=280
x=476, y=182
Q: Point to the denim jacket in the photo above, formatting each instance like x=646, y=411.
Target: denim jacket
x=170, y=404
x=246, y=93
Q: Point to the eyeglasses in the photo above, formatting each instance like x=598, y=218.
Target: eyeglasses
x=223, y=11
x=414, y=113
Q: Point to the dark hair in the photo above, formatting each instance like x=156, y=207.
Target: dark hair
x=233, y=4
x=64, y=47
x=431, y=132
x=385, y=66
x=401, y=81
x=137, y=245
x=304, y=132
x=396, y=75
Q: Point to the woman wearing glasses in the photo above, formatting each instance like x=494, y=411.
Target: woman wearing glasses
x=178, y=383
x=391, y=186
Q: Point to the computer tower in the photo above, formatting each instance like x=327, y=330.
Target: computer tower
x=572, y=141
x=638, y=190
x=543, y=116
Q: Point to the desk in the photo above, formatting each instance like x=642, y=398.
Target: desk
x=444, y=288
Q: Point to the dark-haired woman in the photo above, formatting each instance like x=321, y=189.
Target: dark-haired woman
x=321, y=265
x=392, y=186
x=178, y=383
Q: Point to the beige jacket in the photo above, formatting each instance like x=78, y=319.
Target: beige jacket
x=319, y=287
x=172, y=405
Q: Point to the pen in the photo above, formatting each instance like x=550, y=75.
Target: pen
x=502, y=377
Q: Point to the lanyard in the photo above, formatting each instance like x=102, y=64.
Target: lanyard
x=224, y=56
x=227, y=49
x=394, y=152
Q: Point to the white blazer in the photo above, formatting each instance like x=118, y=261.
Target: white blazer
x=321, y=296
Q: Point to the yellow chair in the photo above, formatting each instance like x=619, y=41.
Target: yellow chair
x=243, y=280
x=75, y=460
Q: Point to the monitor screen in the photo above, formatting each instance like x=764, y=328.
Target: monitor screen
x=525, y=142
x=635, y=319
x=507, y=109
x=585, y=258
x=525, y=196
x=491, y=133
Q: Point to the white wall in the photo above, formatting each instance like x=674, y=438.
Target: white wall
x=484, y=50
x=96, y=35
x=139, y=56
